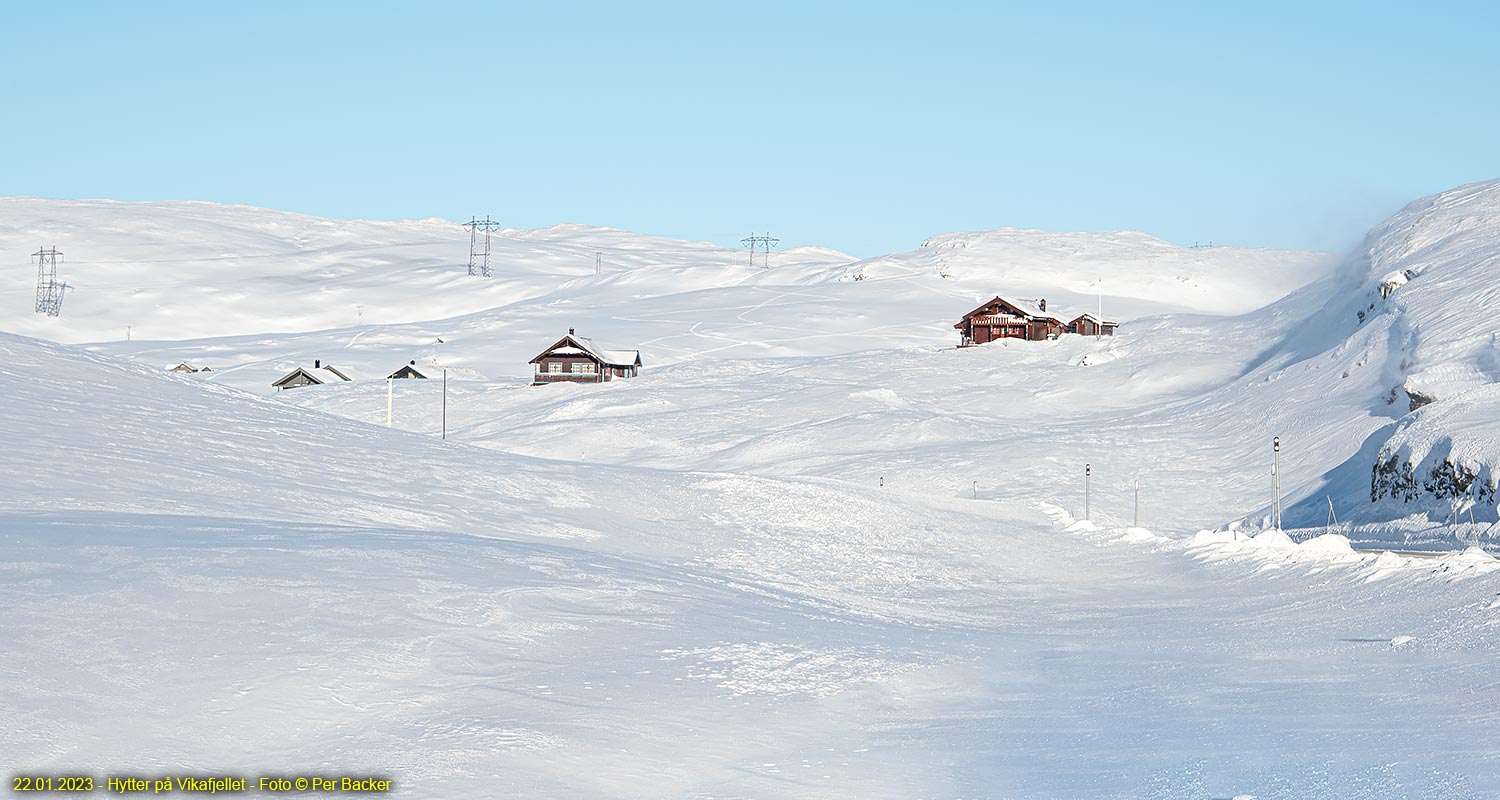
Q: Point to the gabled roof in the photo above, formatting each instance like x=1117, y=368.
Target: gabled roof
x=182, y=366
x=315, y=375
x=572, y=345
x=1074, y=321
x=290, y=376
x=1025, y=307
x=413, y=369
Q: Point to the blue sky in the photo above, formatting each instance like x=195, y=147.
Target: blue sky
x=861, y=126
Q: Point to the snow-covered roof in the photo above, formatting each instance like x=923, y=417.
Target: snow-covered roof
x=1026, y=307
x=579, y=345
x=181, y=366
x=1094, y=318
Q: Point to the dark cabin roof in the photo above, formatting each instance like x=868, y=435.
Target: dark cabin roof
x=291, y=376
x=408, y=370
x=1094, y=318
x=311, y=375
x=572, y=345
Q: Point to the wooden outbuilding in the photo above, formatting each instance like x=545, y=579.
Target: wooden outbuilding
x=1090, y=325
x=1003, y=318
x=575, y=359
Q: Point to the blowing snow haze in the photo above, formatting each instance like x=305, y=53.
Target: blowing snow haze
x=815, y=548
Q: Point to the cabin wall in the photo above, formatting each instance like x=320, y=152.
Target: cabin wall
x=565, y=374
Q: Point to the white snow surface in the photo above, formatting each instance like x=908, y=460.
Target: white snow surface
x=812, y=551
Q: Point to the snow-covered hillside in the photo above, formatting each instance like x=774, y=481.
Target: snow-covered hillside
x=1126, y=266
x=260, y=291
x=200, y=580
x=814, y=550
x=189, y=270
x=1425, y=285
x=1188, y=405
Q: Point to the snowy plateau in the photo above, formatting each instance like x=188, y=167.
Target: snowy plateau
x=813, y=550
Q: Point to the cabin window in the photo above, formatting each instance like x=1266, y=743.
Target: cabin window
x=582, y=368
x=554, y=367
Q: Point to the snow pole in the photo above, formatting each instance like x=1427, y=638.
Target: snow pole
x=1088, y=472
x=445, y=402
x=976, y=490
x=1137, y=504
x=1276, y=483
x=389, y=400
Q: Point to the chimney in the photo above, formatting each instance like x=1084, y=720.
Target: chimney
x=1042, y=304
x=414, y=362
x=317, y=363
x=570, y=331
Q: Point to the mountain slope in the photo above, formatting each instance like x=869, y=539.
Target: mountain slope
x=188, y=270
x=204, y=581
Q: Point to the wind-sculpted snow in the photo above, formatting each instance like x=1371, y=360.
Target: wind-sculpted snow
x=812, y=551
x=199, y=579
x=1433, y=267
x=1072, y=269
x=186, y=270
x=1421, y=292
x=848, y=381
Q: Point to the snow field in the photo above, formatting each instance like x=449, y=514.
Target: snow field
x=810, y=552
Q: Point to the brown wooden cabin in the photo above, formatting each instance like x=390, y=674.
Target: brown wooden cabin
x=1090, y=325
x=1009, y=319
x=320, y=373
x=574, y=359
x=408, y=370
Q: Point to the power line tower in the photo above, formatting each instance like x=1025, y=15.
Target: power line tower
x=765, y=242
x=49, y=293
x=479, y=258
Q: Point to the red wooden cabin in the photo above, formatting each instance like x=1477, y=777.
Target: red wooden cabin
x=1009, y=319
x=574, y=359
x=1090, y=325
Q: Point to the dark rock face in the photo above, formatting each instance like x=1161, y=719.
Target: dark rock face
x=1399, y=480
x=1418, y=399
